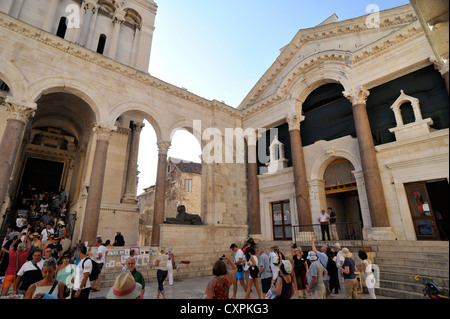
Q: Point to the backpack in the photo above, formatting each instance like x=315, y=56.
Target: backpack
x=95, y=269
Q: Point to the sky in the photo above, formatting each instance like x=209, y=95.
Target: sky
x=219, y=49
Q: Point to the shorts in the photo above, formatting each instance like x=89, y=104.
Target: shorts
x=9, y=280
x=239, y=274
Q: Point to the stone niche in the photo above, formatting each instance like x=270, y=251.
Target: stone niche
x=417, y=128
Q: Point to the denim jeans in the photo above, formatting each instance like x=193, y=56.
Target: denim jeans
x=161, y=275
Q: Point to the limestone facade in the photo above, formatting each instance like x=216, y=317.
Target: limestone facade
x=99, y=99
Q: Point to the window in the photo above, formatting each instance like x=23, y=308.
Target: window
x=62, y=27
x=101, y=44
x=3, y=86
x=189, y=185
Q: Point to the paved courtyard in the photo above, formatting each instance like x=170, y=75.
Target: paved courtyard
x=194, y=288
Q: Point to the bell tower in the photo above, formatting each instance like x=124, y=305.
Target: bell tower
x=119, y=29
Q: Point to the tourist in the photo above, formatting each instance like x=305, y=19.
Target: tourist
x=239, y=275
x=323, y=220
x=161, y=272
x=253, y=273
x=219, y=286
x=300, y=270
x=35, y=244
x=82, y=284
x=56, y=249
x=283, y=284
x=274, y=262
x=48, y=287
x=125, y=287
x=339, y=263
x=100, y=259
x=47, y=232
x=333, y=220
x=171, y=266
x=18, y=253
x=61, y=230
x=47, y=254
x=29, y=273
x=316, y=273
x=366, y=269
x=65, y=273
x=119, y=240
x=350, y=281
x=323, y=259
x=137, y=275
x=264, y=271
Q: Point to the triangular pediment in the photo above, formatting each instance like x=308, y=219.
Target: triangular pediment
x=330, y=41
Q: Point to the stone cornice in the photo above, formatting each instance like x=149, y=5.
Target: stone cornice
x=75, y=50
x=390, y=18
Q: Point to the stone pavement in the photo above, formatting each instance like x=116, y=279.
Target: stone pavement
x=194, y=288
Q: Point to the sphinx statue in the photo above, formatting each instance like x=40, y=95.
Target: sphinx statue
x=184, y=218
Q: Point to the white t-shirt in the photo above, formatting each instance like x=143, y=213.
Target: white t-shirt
x=79, y=274
x=46, y=232
x=323, y=218
x=101, y=249
x=239, y=254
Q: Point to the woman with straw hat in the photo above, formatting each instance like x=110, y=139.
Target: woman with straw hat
x=125, y=287
x=350, y=281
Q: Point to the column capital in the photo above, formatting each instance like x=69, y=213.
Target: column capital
x=90, y=5
x=163, y=147
x=119, y=16
x=441, y=65
x=103, y=132
x=357, y=95
x=294, y=120
x=19, y=110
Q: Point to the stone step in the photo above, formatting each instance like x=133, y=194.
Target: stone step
x=407, y=274
x=395, y=262
x=425, y=256
x=398, y=294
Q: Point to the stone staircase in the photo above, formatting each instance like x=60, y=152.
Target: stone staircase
x=400, y=261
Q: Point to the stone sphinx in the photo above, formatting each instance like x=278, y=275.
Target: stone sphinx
x=184, y=218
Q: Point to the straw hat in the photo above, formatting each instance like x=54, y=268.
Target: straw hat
x=125, y=288
x=346, y=253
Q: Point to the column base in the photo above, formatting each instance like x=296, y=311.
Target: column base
x=381, y=233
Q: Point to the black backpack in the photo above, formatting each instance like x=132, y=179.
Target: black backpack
x=95, y=269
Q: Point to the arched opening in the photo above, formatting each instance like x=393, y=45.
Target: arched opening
x=62, y=27
x=4, y=87
x=328, y=115
x=101, y=44
x=342, y=197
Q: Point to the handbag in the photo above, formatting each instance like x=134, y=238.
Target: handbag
x=270, y=294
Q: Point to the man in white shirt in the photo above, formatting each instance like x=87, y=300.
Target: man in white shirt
x=82, y=285
x=100, y=260
x=29, y=273
x=274, y=261
x=323, y=220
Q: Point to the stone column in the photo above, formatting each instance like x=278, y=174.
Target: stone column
x=118, y=20
x=50, y=15
x=19, y=113
x=253, y=188
x=299, y=167
x=16, y=8
x=89, y=7
x=160, y=189
x=371, y=171
x=135, y=47
x=94, y=198
x=130, y=186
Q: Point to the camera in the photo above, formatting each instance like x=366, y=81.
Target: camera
x=222, y=257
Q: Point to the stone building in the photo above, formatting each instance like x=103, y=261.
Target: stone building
x=183, y=187
x=360, y=106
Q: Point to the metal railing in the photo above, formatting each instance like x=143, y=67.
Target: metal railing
x=331, y=233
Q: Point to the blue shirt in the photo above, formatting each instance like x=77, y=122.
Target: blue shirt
x=264, y=262
x=323, y=259
x=348, y=262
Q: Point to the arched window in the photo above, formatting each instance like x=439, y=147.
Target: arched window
x=3, y=86
x=62, y=27
x=101, y=44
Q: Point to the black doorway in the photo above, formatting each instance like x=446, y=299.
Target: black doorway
x=42, y=175
x=438, y=193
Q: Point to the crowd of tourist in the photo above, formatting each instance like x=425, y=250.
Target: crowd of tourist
x=317, y=275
